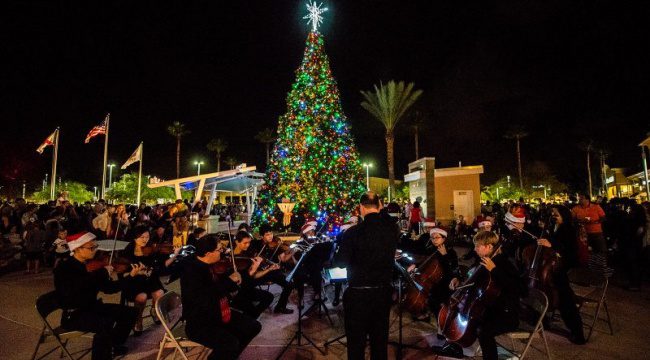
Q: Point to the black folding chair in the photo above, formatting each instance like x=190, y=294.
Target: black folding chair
x=45, y=305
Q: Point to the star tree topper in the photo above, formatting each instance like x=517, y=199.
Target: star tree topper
x=315, y=17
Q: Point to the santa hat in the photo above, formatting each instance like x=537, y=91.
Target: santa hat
x=311, y=221
x=517, y=215
x=307, y=228
x=77, y=240
x=353, y=220
x=429, y=223
x=484, y=223
x=438, y=231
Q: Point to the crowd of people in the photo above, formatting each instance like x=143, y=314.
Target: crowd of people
x=222, y=303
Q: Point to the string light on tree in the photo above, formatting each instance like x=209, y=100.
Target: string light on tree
x=314, y=163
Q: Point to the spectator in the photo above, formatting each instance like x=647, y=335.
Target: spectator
x=591, y=217
x=34, y=241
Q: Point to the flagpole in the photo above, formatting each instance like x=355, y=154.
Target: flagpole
x=54, y=160
x=140, y=174
x=108, y=118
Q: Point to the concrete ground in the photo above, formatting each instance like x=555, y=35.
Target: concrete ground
x=20, y=327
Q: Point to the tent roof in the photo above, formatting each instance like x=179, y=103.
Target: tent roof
x=237, y=180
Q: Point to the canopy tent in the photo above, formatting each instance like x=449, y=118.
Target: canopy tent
x=242, y=179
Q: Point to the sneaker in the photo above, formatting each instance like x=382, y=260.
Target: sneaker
x=283, y=310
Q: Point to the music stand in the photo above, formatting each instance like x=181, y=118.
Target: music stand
x=299, y=334
x=402, y=274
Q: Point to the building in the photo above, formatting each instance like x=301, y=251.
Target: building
x=445, y=193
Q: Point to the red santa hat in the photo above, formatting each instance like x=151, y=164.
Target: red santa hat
x=440, y=231
x=311, y=221
x=353, y=220
x=429, y=222
x=484, y=223
x=516, y=215
x=307, y=228
x=77, y=240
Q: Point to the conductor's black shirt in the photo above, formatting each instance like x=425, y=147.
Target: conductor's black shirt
x=367, y=251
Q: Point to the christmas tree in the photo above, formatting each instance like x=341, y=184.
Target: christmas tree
x=314, y=163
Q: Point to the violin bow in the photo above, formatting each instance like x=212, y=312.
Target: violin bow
x=232, y=249
x=522, y=230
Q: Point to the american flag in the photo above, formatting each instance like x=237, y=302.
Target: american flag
x=97, y=130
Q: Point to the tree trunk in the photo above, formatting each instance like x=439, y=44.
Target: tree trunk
x=218, y=161
x=417, y=143
x=178, y=157
x=390, y=140
x=591, y=195
x=268, y=149
x=521, y=179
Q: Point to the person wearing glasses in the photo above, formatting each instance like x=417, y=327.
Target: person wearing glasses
x=77, y=289
x=209, y=320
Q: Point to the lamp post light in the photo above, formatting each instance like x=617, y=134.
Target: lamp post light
x=367, y=166
x=95, y=187
x=508, y=176
x=498, y=199
x=198, y=165
x=110, y=175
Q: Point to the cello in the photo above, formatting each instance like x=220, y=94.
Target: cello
x=459, y=319
x=542, y=263
x=429, y=273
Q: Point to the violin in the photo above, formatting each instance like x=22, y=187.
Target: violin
x=226, y=265
x=166, y=248
x=102, y=259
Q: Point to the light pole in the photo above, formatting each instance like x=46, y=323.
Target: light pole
x=367, y=166
x=110, y=174
x=508, y=176
x=95, y=187
x=498, y=199
x=24, y=185
x=198, y=165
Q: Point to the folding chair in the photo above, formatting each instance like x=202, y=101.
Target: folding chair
x=46, y=304
x=169, y=311
x=590, y=286
x=534, y=308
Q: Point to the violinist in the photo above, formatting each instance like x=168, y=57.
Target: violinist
x=272, y=248
x=503, y=314
x=563, y=240
x=206, y=311
x=198, y=233
x=271, y=273
x=248, y=293
x=142, y=282
x=77, y=289
x=515, y=239
x=448, y=260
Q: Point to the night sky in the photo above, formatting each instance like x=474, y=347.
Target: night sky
x=566, y=70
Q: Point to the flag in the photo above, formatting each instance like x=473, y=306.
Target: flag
x=48, y=142
x=97, y=130
x=135, y=157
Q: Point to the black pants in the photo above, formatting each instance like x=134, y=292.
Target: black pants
x=277, y=277
x=226, y=340
x=252, y=301
x=366, y=316
x=495, y=323
x=111, y=324
x=567, y=306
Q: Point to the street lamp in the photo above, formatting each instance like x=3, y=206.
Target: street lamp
x=367, y=166
x=198, y=164
x=110, y=174
x=498, y=199
x=508, y=176
x=95, y=187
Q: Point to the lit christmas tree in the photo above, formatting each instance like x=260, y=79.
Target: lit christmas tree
x=314, y=163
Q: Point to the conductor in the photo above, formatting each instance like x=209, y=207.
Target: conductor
x=367, y=250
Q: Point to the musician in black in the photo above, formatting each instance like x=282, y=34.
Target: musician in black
x=271, y=248
x=563, y=240
x=367, y=251
x=209, y=319
x=77, y=289
x=448, y=261
x=249, y=299
x=502, y=315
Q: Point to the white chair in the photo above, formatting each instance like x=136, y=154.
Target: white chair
x=169, y=311
x=533, y=310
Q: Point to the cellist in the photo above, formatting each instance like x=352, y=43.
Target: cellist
x=448, y=260
x=502, y=315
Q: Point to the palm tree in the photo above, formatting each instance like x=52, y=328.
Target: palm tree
x=231, y=162
x=388, y=104
x=267, y=137
x=177, y=130
x=218, y=146
x=518, y=133
x=417, y=125
x=588, y=147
